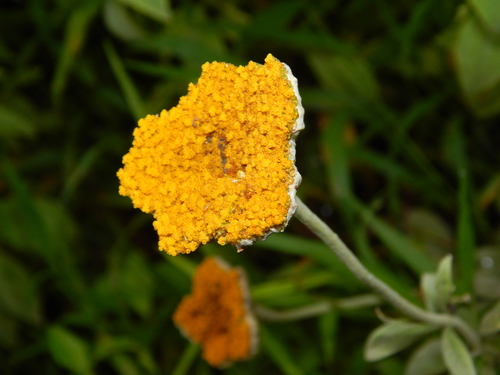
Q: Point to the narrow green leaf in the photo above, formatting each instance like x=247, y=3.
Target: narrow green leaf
x=193, y=49
x=454, y=144
x=14, y=125
x=188, y=357
x=278, y=353
x=106, y=346
x=9, y=333
x=334, y=150
x=401, y=283
x=488, y=369
x=428, y=228
x=392, y=337
x=456, y=356
x=137, y=284
x=490, y=192
x=18, y=295
x=80, y=171
x=75, y=35
x=68, y=350
x=428, y=287
x=466, y=240
x=183, y=264
x=124, y=365
x=349, y=74
x=273, y=289
x=399, y=244
x=128, y=88
x=444, y=282
x=328, y=327
x=156, y=9
x=490, y=322
x=426, y=359
x=489, y=12
x=33, y=223
x=312, y=249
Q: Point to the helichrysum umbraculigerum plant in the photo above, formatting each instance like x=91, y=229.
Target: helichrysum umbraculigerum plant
x=219, y=165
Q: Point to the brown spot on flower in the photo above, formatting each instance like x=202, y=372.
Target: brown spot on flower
x=216, y=314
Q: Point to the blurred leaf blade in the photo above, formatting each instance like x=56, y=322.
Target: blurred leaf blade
x=490, y=323
x=393, y=337
x=426, y=359
x=313, y=249
x=18, y=292
x=466, y=236
x=120, y=23
x=444, y=282
x=399, y=244
x=156, y=9
x=489, y=12
x=68, y=350
x=76, y=33
x=14, y=125
x=350, y=75
x=477, y=58
x=428, y=286
x=127, y=85
x=456, y=356
x=278, y=353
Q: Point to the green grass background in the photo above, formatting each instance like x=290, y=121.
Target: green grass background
x=400, y=156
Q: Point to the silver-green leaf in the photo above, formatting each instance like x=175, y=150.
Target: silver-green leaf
x=426, y=359
x=456, y=356
x=393, y=337
x=491, y=320
x=444, y=282
x=428, y=287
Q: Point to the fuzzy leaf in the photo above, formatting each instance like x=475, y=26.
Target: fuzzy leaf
x=456, y=355
x=444, y=282
x=428, y=286
x=393, y=337
x=491, y=320
x=426, y=359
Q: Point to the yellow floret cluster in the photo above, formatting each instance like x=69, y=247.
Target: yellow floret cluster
x=216, y=314
x=217, y=165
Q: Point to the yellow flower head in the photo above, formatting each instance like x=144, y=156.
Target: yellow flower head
x=219, y=165
x=216, y=314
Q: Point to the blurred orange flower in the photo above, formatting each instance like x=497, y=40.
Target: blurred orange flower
x=216, y=314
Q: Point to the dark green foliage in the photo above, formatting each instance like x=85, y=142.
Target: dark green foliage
x=400, y=156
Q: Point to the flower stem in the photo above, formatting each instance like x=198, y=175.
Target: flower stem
x=332, y=240
x=317, y=308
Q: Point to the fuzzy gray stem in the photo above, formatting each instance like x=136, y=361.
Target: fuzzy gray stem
x=332, y=240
